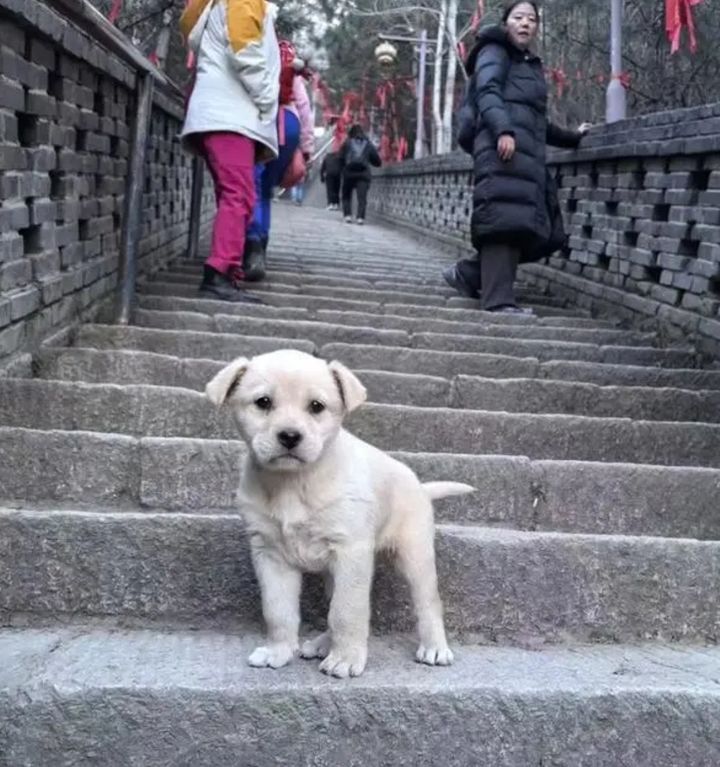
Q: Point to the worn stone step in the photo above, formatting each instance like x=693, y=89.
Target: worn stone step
x=172, y=412
x=285, y=282
x=548, y=586
x=116, y=472
x=518, y=395
x=436, y=363
x=455, y=308
x=273, y=289
x=173, y=319
x=234, y=335
x=456, y=319
x=192, y=701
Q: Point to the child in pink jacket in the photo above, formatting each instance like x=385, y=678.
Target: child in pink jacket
x=296, y=131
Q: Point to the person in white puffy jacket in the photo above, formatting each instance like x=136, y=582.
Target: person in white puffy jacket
x=231, y=119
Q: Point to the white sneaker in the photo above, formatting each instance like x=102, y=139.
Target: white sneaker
x=360, y=221
x=330, y=207
x=348, y=219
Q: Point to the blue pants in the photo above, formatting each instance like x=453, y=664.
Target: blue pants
x=268, y=176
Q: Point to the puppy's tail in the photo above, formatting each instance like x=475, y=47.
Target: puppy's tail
x=438, y=490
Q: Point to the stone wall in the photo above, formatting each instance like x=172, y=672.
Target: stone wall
x=66, y=112
x=642, y=207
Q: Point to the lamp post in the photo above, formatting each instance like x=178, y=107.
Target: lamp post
x=616, y=99
x=422, y=46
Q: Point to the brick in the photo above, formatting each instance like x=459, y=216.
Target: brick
x=39, y=103
x=71, y=254
x=69, y=67
x=710, y=328
x=11, y=338
x=665, y=295
x=14, y=216
x=8, y=127
x=673, y=262
x=42, y=158
x=66, y=233
x=23, y=303
x=15, y=274
x=68, y=114
x=12, y=157
x=12, y=246
x=12, y=36
x=51, y=289
x=701, y=304
x=703, y=268
x=44, y=264
x=42, y=210
x=42, y=53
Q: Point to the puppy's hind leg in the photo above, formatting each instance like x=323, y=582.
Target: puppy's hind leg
x=415, y=544
x=280, y=586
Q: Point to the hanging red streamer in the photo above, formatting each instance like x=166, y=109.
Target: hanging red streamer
x=115, y=11
x=679, y=14
x=477, y=16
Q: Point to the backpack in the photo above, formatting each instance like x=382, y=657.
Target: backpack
x=356, y=158
x=468, y=117
x=287, y=71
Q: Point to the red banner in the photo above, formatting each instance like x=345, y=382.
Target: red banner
x=679, y=14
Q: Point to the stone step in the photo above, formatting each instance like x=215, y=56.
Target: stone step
x=518, y=395
x=271, y=292
x=234, y=335
x=196, y=569
x=433, y=295
x=121, y=472
x=436, y=363
x=157, y=411
x=172, y=319
x=193, y=701
x=459, y=320
x=456, y=308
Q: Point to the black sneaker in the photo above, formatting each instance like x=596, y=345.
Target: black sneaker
x=218, y=286
x=254, y=261
x=454, y=278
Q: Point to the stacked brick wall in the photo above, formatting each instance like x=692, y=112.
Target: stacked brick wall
x=641, y=201
x=66, y=111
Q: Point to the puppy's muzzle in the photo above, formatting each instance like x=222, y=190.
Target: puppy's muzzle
x=289, y=438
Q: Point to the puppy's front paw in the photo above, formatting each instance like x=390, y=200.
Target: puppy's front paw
x=272, y=656
x=344, y=662
x=434, y=656
x=316, y=648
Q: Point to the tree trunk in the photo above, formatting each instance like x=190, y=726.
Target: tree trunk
x=438, y=132
x=452, y=12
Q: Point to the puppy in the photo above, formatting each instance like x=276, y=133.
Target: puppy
x=318, y=499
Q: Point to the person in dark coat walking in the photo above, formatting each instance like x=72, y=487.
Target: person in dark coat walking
x=357, y=154
x=331, y=175
x=516, y=216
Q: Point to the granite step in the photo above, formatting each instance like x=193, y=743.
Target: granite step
x=173, y=319
x=192, y=700
x=517, y=395
x=463, y=321
x=230, y=340
x=120, y=472
x=172, y=412
x=501, y=585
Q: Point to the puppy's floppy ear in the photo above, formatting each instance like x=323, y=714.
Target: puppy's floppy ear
x=352, y=392
x=224, y=383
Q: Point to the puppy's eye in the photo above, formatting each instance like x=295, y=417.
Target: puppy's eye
x=264, y=403
x=316, y=407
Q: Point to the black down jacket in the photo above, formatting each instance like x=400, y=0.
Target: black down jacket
x=514, y=202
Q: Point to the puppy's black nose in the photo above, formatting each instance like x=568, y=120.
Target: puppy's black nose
x=289, y=439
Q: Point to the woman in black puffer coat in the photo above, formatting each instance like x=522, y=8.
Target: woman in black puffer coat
x=516, y=216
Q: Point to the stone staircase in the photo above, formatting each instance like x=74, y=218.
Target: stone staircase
x=581, y=583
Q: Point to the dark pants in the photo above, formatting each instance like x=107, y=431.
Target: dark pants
x=492, y=273
x=332, y=185
x=361, y=186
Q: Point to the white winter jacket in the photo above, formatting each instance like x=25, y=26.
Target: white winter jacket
x=237, y=77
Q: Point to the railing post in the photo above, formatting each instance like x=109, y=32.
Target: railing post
x=420, y=117
x=616, y=104
x=196, y=195
x=132, y=216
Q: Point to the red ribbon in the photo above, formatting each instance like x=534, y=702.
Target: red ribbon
x=679, y=14
x=115, y=11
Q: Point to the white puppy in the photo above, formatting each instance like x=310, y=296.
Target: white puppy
x=318, y=499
